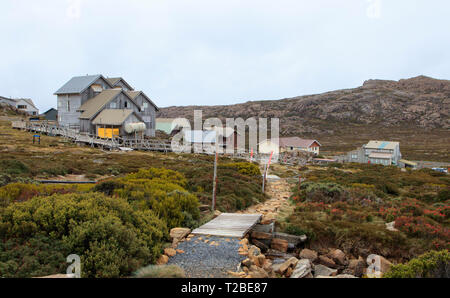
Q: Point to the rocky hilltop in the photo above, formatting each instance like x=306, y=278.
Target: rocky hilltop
x=419, y=102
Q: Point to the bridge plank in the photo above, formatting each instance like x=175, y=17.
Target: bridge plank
x=229, y=225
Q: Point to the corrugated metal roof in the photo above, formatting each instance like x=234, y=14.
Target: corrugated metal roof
x=112, y=117
x=78, y=84
x=93, y=105
x=382, y=145
x=296, y=142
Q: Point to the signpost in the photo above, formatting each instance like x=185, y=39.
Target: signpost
x=38, y=137
x=266, y=169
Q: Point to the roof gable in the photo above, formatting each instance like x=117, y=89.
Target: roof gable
x=50, y=110
x=79, y=84
x=25, y=100
x=91, y=107
x=115, y=81
x=134, y=94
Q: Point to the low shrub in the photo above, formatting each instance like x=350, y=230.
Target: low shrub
x=433, y=264
x=161, y=191
x=111, y=237
x=13, y=167
x=39, y=255
x=443, y=195
x=244, y=168
x=20, y=192
x=322, y=192
x=422, y=227
x=108, y=187
x=298, y=231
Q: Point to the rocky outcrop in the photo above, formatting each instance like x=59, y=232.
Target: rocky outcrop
x=422, y=102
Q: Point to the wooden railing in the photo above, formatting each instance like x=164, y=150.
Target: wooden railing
x=74, y=135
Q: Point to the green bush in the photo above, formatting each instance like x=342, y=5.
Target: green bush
x=111, y=237
x=20, y=192
x=244, y=168
x=434, y=264
x=108, y=187
x=36, y=256
x=163, y=192
x=443, y=195
x=322, y=192
x=13, y=167
x=296, y=230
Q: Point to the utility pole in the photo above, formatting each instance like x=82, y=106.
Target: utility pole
x=264, y=177
x=213, y=207
x=214, y=183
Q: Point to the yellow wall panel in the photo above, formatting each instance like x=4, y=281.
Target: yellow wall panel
x=107, y=133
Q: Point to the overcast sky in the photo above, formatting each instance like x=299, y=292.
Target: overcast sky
x=210, y=52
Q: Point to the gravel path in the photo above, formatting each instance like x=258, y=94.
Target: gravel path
x=208, y=259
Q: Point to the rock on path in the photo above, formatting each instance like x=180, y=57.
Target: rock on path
x=208, y=256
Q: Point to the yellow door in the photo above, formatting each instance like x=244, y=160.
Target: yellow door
x=108, y=133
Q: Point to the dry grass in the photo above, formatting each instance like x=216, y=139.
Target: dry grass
x=415, y=144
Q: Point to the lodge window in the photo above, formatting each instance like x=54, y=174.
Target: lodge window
x=126, y=104
x=113, y=105
x=145, y=105
x=21, y=106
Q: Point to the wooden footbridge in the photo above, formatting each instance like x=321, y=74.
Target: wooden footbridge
x=229, y=225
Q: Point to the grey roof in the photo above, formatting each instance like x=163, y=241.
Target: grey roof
x=113, y=116
x=50, y=110
x=91, y=107
x=296, y=142
x=9, y=100
x=78, y=84
x=382, y=145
